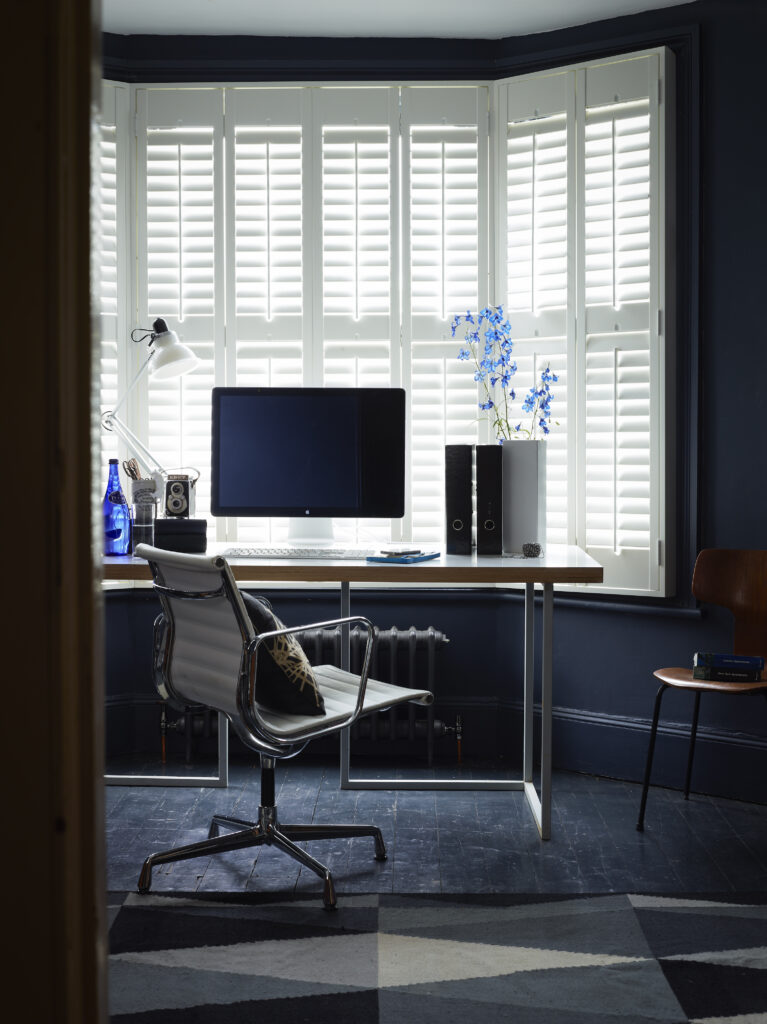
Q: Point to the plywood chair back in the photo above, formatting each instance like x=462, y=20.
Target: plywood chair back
x=736, y=580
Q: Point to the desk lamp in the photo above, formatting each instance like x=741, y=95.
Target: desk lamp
x=167, y=358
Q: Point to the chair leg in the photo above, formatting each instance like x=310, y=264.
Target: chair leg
x=254, y=835
x=222, y=821
x=304, y=833
x=691, y=751
x=650, y=753
x=287, y=846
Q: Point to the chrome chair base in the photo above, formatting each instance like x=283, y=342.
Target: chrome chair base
x=266, y=832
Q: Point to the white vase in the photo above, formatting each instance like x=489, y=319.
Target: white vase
x=523, y=467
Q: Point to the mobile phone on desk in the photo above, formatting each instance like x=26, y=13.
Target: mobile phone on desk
x=400, y=552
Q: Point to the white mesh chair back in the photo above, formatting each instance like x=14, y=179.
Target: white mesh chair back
x=207, y=641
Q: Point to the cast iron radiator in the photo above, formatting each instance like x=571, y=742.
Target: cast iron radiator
x=405, y=657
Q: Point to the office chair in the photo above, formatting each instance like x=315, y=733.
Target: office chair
x=207, y=653
x=732, y=579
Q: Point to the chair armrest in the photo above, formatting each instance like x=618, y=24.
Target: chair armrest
x=249, y=680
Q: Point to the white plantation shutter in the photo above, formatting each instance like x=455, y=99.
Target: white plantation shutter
x=268, y=295
x=110, y=255
x=107, y=295
x=621, y=298
x=584, y=260
x=538, y=184
x=444, y=204
x=356, y=316
x=180, y=229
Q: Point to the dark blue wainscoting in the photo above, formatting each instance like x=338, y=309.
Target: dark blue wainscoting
x=603, y=684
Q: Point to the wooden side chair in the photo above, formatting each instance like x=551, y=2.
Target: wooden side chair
x=732, y=579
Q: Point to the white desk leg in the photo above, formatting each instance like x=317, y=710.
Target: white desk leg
x=529, y=680
x=344, y=735
x=547, y=657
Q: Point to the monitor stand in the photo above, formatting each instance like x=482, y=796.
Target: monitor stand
x=311, y=533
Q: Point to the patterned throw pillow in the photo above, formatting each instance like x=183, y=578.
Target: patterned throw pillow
x=284, y=678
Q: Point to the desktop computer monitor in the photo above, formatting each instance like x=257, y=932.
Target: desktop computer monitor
x=308, y=452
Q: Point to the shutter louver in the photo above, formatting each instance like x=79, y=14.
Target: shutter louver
x=443, y=220
x=355, y=222
x=618, y=447
x=617, y=205
x=537, y=215
x=267, y=242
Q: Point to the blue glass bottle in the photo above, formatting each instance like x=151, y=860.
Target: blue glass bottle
x=116, y=515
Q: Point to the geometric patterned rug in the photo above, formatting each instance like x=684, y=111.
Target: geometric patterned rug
x=451, y=959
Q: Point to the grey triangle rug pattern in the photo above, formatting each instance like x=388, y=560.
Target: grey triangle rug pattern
x=387, y=959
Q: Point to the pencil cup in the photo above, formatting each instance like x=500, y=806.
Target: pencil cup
x=143, y=523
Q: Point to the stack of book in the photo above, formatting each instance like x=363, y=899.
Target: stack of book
x=728, y=668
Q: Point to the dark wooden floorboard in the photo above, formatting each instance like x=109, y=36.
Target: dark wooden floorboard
x=451, y=842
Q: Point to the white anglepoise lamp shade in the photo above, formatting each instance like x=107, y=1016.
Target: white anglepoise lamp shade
x=171, y=358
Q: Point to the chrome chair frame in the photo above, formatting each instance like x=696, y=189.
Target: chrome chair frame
x=252, y=728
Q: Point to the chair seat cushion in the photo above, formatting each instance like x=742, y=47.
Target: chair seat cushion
x=340, y=689
x=285, y=680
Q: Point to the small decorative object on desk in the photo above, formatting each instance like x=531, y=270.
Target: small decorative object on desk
x=531, y=550
x=523, y=465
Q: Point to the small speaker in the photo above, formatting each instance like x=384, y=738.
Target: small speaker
x=179, y=496
x=458, y=499
x=489, y=499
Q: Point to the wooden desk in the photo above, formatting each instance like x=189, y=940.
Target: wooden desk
x=559, y=565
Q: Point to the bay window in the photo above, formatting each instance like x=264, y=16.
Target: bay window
x=327, y=235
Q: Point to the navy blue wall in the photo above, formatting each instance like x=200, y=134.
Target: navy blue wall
x=606, y=649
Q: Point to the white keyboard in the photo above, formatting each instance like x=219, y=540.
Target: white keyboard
x=337, y=554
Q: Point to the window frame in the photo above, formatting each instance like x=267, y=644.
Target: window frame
x=492, y=275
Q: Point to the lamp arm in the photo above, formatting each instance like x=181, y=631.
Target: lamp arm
x=141, y=371
x=111, y=422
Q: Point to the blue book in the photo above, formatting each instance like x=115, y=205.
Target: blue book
x=743, y=662
x=403, y=559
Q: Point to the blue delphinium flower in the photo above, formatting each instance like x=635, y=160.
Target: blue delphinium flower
x=488, y=343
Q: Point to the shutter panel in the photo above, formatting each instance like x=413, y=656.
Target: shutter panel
x=267, y=285
x=584, y=175
x=444, y=204
x=108, y=300
x=358, y=312
x=111, y=257
x=621, y=453
x=538, y=233
x=181, y=232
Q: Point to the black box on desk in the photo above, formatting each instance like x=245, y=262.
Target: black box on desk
x=489, y=499
x=187, y=535
x=458, y=499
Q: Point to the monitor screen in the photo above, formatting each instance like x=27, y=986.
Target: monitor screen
x=308, y=452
